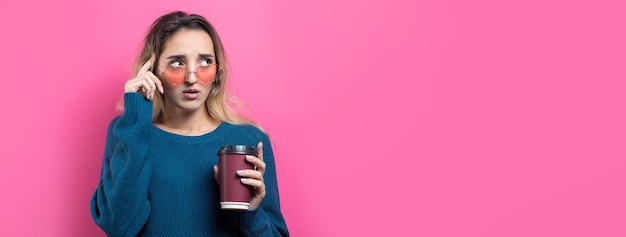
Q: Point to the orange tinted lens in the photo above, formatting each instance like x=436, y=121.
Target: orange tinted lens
x=206, y=73
x=175, y=75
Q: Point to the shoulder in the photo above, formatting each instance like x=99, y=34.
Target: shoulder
x=113, y=121
x=248, y=130
x=110, y=134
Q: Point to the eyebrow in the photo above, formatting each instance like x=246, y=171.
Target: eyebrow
x=181, y=56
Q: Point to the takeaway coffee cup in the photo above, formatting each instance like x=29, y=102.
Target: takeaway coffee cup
x=233, y=193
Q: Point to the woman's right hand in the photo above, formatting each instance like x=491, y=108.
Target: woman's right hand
x=145, y=82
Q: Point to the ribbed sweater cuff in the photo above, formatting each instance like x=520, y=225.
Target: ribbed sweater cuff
x=137, y=106
x=243, y=219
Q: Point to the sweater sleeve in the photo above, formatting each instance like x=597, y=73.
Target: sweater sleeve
x=120, y=204
x=267, y=219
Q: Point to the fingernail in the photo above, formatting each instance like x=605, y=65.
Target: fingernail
x=161, y=89
x=249, y=157
x=240, y=171
x=244, y=180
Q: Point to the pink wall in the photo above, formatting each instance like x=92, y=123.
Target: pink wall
x=390, y=118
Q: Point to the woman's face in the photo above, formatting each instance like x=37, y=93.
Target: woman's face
x=187, y=68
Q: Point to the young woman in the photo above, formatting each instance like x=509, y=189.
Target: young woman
x=158, y=173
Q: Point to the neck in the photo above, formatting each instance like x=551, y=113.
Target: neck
x=189, y=122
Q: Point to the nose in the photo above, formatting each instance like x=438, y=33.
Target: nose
x=191, y=77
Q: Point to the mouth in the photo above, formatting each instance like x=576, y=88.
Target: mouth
x=191, y=93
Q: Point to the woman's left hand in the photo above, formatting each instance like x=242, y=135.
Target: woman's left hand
x=253, y=177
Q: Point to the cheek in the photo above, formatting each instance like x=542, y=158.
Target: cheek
x=206, y=76
x=169, y=82
x=170, y=85
x=174, y=82
x=204, y=83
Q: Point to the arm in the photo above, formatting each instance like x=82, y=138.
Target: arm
x=120, y=204
x=267, y=219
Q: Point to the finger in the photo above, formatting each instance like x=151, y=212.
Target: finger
x=258, y=184
x=152, y=86
x=145, y=87
x=259, y=150
x=257, y=162
x=146, y=66
x=133, y=85
x=215, y=173
x=156, y=81
x=253, y=174
x=149, y=85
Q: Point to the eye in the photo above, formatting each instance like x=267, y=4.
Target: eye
x=176, y=64
x=206, y=62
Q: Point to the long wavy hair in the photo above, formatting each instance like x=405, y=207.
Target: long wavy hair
x=221, y=104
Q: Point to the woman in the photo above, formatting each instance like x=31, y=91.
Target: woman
x=158, y=173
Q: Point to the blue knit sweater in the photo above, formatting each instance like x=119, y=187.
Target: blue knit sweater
x=155, y=183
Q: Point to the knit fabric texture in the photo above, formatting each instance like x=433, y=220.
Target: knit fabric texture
x=156, y=183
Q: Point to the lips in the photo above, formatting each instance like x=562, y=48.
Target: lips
x=191, y=93
x=191, y=90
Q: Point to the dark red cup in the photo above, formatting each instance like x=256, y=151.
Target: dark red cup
x=234, y=194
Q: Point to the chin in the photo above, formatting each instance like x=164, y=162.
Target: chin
x=191, y=105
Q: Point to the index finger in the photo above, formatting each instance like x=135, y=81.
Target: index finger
x=146, y=66
x=259, y=150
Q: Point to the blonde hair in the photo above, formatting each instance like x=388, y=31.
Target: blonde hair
x=220, y=104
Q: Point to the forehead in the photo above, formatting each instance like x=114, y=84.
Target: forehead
x=188, y=42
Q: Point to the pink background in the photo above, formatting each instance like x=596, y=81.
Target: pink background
x=389, y=118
